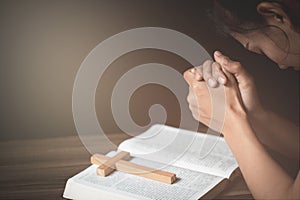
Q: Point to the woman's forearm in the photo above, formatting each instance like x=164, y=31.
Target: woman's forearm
x=277, y=133
x=265, y=178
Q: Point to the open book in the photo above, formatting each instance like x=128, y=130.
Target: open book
x=202, y=163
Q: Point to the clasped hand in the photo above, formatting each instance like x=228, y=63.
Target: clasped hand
x=241, y=96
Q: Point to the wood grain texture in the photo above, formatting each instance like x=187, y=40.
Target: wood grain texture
x=109, y=165
x=39, y=168
x=135, y=169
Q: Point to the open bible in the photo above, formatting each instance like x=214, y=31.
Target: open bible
x=202, y=163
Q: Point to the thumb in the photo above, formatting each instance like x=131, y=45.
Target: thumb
x=189, y=76
x=242, y=76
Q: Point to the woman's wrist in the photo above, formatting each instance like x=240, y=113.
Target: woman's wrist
x=236, y=122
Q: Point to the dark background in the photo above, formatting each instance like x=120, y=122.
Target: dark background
x=42, y=44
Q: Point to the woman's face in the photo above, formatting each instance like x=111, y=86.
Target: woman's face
x=283, y=49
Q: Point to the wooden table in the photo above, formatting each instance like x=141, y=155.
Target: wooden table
x=39, y=168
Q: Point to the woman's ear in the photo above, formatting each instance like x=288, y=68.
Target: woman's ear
x=273, y=13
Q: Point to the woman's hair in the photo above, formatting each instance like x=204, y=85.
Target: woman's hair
x=241, y=16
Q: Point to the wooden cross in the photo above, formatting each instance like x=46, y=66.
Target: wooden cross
x=108, y=164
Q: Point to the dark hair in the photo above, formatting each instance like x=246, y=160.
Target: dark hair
x=241, y=16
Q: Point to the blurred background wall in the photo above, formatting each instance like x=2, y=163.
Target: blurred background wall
x=42, y=44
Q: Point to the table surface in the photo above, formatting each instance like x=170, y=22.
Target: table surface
x=39, y=168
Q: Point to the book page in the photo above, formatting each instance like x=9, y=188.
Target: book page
x=182, y=148
x=190, y=184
